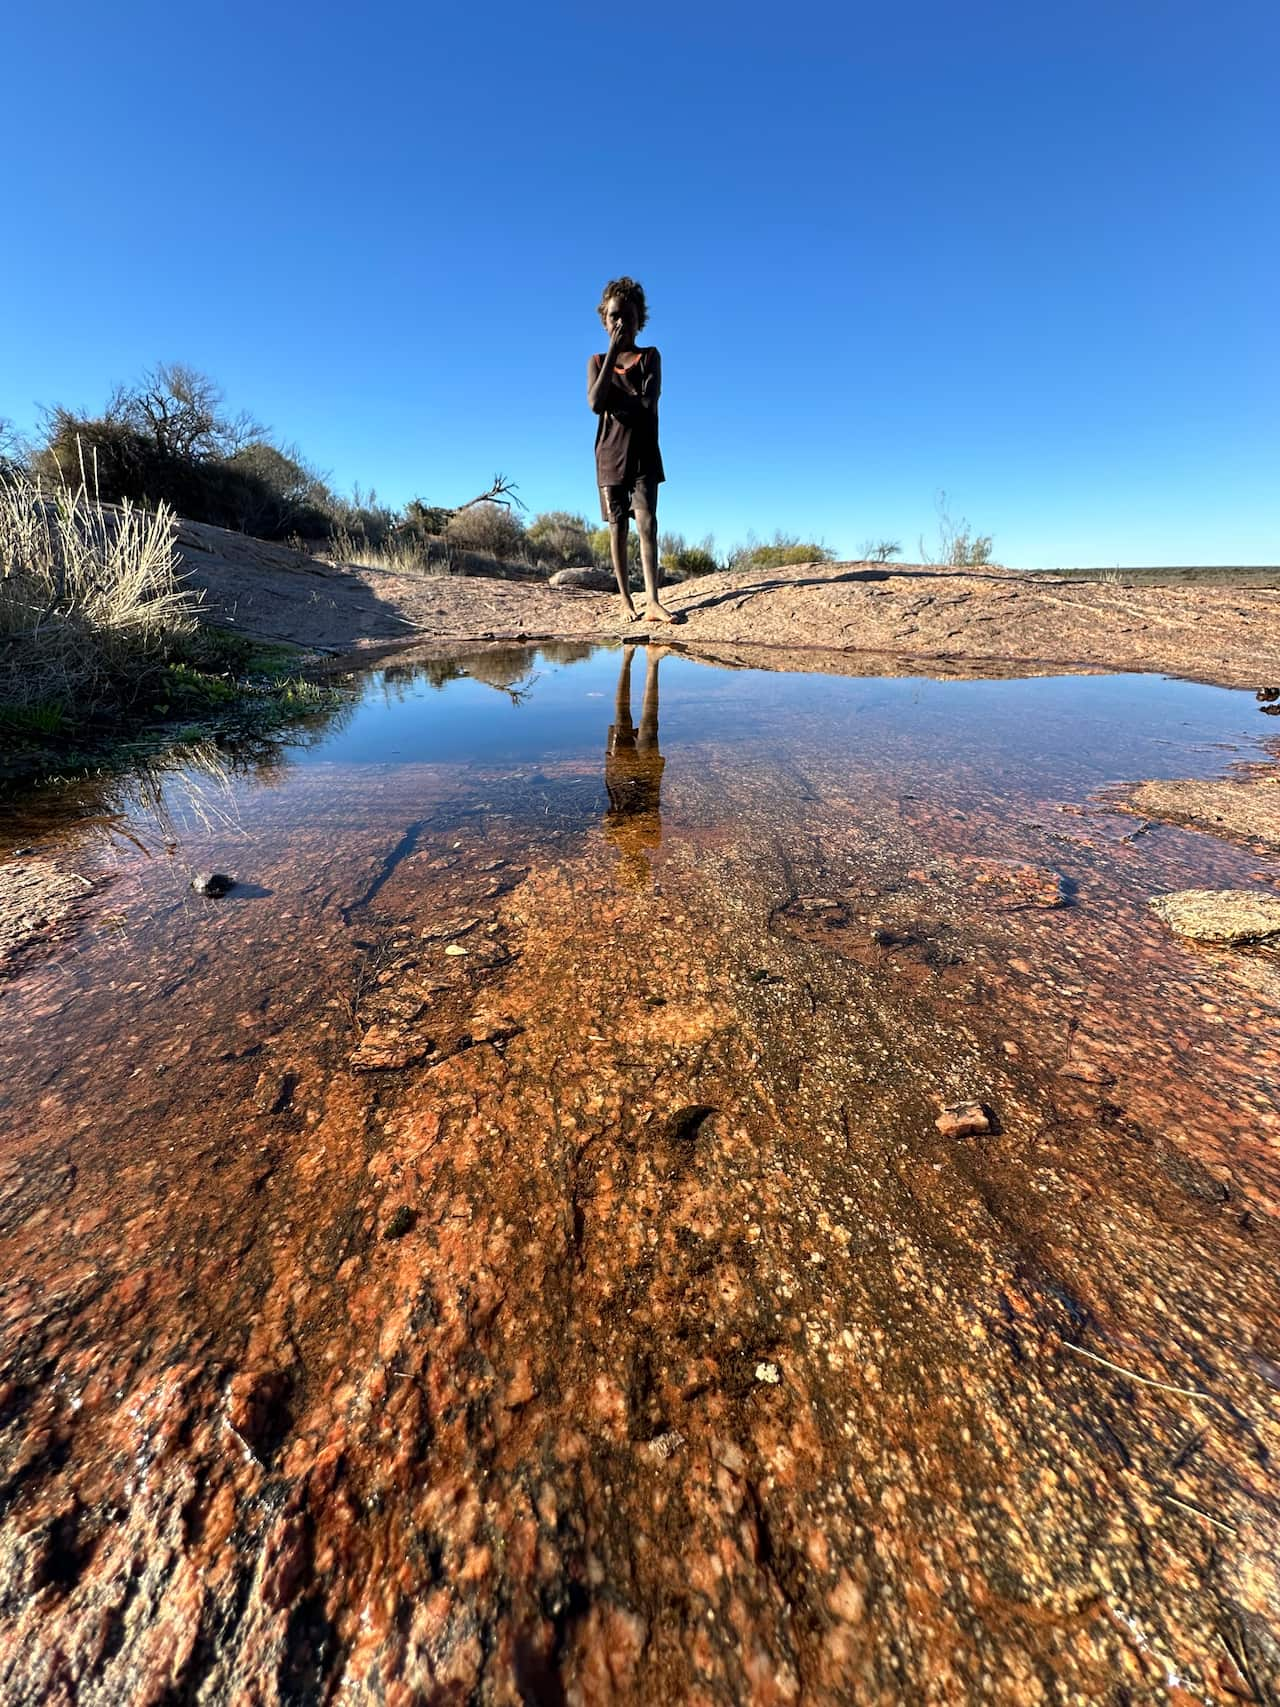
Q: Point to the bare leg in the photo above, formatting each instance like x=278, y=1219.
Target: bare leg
x=647, y=528
x=649, y=706
x=622, y=704
x=618, y=551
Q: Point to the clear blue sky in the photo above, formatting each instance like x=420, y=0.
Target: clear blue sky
x=1026, y=251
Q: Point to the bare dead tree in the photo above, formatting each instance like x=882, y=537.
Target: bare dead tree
x=180, y=410
x=503, y=491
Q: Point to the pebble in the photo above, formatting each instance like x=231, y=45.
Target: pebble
x=400, y=1223
x=769, y=1373
x=664, y=1446
x=212, y=883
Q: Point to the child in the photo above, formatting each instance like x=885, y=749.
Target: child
x=622, y=388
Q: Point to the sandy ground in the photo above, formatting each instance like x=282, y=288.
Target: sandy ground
x=910, y=616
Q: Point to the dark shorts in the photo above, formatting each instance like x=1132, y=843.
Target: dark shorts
x=618, y=502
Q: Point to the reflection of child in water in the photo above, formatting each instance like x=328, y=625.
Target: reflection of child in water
x=633, y=769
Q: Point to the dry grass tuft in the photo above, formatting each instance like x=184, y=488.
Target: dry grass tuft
x=89, y=593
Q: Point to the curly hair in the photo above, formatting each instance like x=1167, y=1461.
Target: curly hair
x=629, y=291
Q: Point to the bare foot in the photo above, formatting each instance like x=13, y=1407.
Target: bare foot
x=657, y=612
x=629, y=611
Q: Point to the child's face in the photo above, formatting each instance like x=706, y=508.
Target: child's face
x=621, y=316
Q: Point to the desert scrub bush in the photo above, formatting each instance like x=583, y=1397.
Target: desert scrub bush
x=958, y=545
x=691, y=560
x=487, y=529
x=969, y=550
x=602, y=554
x=559, y=539
x=675, y=553
x=168, y=440
x=878, y=550
x=782, y=550
x=89, y=594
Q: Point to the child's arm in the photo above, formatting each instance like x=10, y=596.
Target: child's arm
x=600, y=376
x=652, y=388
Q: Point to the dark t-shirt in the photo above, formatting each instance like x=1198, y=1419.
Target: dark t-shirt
x=627, y=429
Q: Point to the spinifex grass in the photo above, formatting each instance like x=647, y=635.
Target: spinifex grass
x=89, y=594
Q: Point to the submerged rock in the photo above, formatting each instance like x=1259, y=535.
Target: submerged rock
x=1219, y=915
x=214, y=884
x=1009, y=884
x=389, y=1048
x=963, y=1120
x=401, y=1222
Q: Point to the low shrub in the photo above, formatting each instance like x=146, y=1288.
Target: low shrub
x=691, y=560
x=782, y=550
x=681, y=558
x=602, y=554
x=970, y=551
x=258, y=489
x=958, y=545
x=559, y=539
x=487, y=528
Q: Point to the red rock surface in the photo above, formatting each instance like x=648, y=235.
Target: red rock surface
x=657, y=1132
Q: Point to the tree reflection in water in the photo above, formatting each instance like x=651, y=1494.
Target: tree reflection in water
x=633, y=769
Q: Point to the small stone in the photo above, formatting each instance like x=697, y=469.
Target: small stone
x=963, y=1120
x=455, y=948
x=214, y=884
x=274, y=1091
x=400, y=1223
x=769, y=1373
x=1219, y=915
x=664, y=1446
